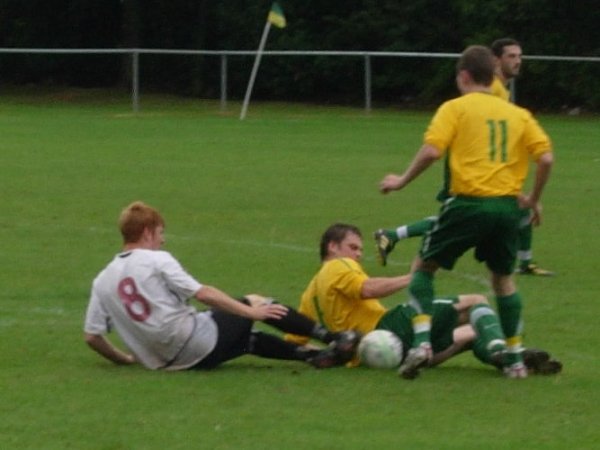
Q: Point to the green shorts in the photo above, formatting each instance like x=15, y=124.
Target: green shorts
x=398, y=320
x=490, y=225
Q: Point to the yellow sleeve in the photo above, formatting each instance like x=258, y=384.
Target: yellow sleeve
x=339, y=297
x=348, y=278
x=442, y=128
x=334, y=299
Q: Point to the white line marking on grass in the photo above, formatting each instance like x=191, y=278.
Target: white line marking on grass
x=56, y=311
x=294, y=248
x=7, y=323
x=477, y=279
x=38, y=315
x=51, y=311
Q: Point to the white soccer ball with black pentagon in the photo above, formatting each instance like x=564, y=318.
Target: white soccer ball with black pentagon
x=380, y=349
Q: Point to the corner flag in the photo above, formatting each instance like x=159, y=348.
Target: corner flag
x=276, y=16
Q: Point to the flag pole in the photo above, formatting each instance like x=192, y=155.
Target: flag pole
x=259, y=53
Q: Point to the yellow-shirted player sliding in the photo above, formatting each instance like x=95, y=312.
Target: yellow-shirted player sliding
x=342, y=296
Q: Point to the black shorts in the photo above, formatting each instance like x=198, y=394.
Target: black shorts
x=232, y=341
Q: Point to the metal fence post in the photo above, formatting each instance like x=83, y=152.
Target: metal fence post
x=367, y=83
x=136, y=52
x=513, y=90
x=223, y=82
x=135, y=80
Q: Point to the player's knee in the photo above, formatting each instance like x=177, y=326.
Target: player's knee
x=257, y=300
x=478, y=311
x=467, y=301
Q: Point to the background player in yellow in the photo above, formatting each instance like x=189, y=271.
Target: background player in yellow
x=488, y=143
x=508, y=55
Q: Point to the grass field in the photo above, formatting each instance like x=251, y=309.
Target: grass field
x=245, y=204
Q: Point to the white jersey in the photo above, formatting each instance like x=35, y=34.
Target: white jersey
x=143, y=294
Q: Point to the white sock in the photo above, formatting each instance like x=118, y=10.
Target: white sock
x=402, y=232
x=524, y=255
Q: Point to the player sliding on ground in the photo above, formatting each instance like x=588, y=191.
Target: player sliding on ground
x=342, y=296
x=143, y=294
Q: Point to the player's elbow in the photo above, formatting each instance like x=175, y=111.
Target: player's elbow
x=91, y=340
x=366, y=293
x=370, y=289
x=430, y=153
x=547, y=159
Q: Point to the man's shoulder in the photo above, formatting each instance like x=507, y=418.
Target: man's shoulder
x=135, y=258
x=475, y=102
x=152, y=255
x=148, y=252
x=498, y=89
x=342, y=264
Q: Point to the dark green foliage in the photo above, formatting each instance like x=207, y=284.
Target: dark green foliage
x=544, y=28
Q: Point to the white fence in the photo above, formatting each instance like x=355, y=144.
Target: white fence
x=365, y=55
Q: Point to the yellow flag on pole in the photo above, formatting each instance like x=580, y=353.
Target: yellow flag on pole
x=276, y=16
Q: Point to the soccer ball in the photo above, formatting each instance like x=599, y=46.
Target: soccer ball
x=380, y=349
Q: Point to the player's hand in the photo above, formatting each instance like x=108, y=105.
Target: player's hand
x=525, y=202
x=390, y=183
x=269, y=311
x=536, y=215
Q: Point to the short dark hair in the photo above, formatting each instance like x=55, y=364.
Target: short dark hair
x=479, y=62
x=498, y=45
x=336, y=233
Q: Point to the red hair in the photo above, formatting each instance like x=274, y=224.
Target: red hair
x=135, y=218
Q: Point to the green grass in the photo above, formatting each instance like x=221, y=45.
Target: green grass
x=245, y=204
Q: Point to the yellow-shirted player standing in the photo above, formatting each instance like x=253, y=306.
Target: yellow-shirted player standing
x=508, y=56
x=489, y=143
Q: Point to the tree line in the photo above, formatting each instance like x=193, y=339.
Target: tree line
x=544, y=27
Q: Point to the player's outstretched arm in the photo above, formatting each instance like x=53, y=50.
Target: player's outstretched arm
x=425, y=157
x=101, y=345
x=216, y=298
x=379, y=287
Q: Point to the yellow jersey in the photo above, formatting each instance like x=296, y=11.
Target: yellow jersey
x=488, y=143
x=499, y=89
x=333, y=298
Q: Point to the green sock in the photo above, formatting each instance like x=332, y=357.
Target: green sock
x=490, y=338
x=509, y=311
x=421, y=227
x=421, y=299
x=525, y=240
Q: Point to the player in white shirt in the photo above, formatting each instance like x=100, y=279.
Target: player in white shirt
x=143, y=294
